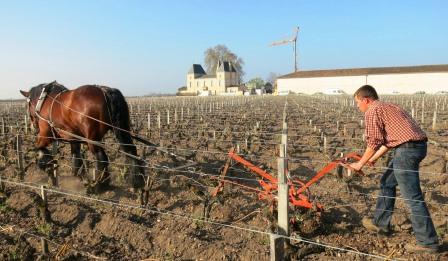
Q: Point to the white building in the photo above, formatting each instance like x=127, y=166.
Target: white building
x=226, y=79
x=386, y=80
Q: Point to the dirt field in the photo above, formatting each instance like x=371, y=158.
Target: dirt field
x=112, y=225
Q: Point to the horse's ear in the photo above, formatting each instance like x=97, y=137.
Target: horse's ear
x=25, y=94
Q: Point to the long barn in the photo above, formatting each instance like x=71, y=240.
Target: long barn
x=386, y=80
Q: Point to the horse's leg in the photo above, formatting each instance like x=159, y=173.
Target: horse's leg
x=102, y=174
x=77, y=162
x=43, y=154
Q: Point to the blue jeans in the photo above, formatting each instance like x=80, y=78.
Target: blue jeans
x=403, y=171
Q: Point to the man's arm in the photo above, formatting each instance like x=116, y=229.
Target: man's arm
x=364, y=159
x=383, y=149
x=370, y=155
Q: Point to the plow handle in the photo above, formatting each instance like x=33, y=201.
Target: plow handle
x=330, y=166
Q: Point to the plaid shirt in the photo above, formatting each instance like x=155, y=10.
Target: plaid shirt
x=389, y=125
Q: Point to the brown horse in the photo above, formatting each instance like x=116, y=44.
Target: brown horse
x=83, y=115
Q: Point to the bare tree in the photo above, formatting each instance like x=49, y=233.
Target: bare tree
x=272, y=77
x=221, y=52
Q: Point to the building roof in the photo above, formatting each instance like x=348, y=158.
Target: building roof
x=225, y=67
x=196, y=69
x=367, y=71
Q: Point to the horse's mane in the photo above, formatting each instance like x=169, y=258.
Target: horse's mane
x=52, y=87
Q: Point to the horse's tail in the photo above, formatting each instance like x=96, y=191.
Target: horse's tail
x=118, y=111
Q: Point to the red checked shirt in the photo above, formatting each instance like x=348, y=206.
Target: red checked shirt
x=389, y=125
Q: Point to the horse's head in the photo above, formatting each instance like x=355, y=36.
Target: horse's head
x=35, y=98
x=30, y=107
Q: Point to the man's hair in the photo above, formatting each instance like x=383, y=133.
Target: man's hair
x=366, y=91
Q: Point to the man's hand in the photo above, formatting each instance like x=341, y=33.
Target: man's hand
x=357, y=166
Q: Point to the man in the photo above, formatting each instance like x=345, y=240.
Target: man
x=390, y=127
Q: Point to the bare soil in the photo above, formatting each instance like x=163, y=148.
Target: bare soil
x=112, y=225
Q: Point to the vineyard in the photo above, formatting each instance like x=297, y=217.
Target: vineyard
x=183, y=220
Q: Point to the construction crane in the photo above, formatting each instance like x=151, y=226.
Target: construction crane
x=292, y=40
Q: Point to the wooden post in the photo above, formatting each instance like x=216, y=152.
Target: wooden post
x=275, y=246
x=158, y=120
x=45, y=214
x=55, y=175
x=2, y=185
x=434, y=120
x=182, y=114
x=3, y=126
x=20, y=156
x=423, y=111
x=282, y=204
x=149, y=121
x=168, y=117
x=175, y=115
x=94, y=174
x=44, y=245
x=26, y=124
x=325, y=144
x=285, y=134
x=43, y=194
x=446, y=160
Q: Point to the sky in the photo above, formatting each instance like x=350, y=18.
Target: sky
x=147, y=47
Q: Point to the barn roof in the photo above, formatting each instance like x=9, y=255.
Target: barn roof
x=368, y=71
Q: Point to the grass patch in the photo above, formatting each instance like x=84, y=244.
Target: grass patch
x=4, y=208
x=44, y=229
x=441, y=231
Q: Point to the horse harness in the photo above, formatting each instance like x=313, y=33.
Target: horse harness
x=42, y=97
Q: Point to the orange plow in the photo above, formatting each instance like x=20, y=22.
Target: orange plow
x=298, y=191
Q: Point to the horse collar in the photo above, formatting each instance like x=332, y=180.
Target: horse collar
x=41, y=99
